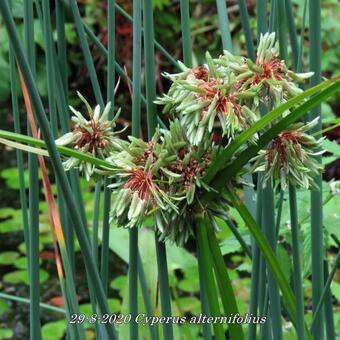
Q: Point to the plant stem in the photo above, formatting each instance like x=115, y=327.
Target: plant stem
x=186, y=36
x=136, y=127
x=206, y=264
x=326, y=288
x=86, y=52
x=224, y=25
x=292, y=31
x=149, y=59
x=222, y=277
x=204, y=298
x=329, y=317
x=255, y=269
x=246, y=28
x=56, y=162
x=316, y=196
x=164, y=286
x=33, y=194
x=297, y=275
x=261, y=16
x=104, y=265
x=146, y=297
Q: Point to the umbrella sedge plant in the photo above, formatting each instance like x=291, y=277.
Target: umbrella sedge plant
x=207, y=138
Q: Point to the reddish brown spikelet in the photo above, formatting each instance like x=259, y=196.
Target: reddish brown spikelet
x=140, y=182
x=223, y=100
x=273, y=69
x=200, y=73
x=278, y=145
x=96, y=139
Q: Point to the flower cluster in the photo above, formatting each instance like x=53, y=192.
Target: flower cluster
x=160, y=177
x=165, y=176
x=94, y=136
x=226, y=93
x=289, y=157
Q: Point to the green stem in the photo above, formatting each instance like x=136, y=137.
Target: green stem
x=316, y=196
x=297, y=276
x=246, y=28
x=56, y=162
x=204, y=298
x=95, y=220
x=226, y=290
x=146, y=297
x=292, y=31
x=149, y=59
x=33, y=194
x=186, y=35
x=86, y=51
x=224, y=25
x=326, y=288
x=28, y=302
x=261, y=16
x=136, y=127
x=329, y=317
x=206, y=263
x=164, y=286
x=255, y=269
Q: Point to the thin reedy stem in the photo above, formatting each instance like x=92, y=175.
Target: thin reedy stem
x=255, y=268
x=246, y=29
x=68, y=289
x=223, y=281
x=282, y=29
x=316, y=196
x=47, y=29
x=19, y=153
x=186, y=35
x=328, y=306
x=267, y=288
x=206, y=263
x=279, y=212
x=69, y=292
x=150, y=84
x=26, y=301
x=130, y=19
x=164, y=288
x=56, y=162
x=297, y=275
x=136, y=128
x=146, y=297
x=95, y=220
x=157, y=44
x=261, y=17
x=230, y=223
x=326, y=288
x=302, y=38
x=61, y=43
x=86, y=51
x=206, y=328
x=224, y=25
x=149, y=60
x=33, y=195
x=110, y=97
x=273, y=18
x=119, y=69
x=292, y=30
x=104, y=259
